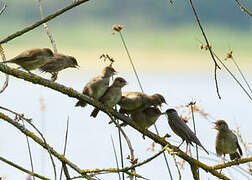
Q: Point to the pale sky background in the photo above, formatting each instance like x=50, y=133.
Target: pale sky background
x=168, y=60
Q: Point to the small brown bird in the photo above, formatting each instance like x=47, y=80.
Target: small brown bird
x=97, y=86
x=112, y=95
x=59, y=62
x=136, y=101
x=32, y=58
x=180, y=128
x=145, y=118
x=226, y=141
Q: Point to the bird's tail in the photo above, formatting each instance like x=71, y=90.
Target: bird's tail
x=95, y=112
x=204, y=149
x=235, y=155
x=81, y=104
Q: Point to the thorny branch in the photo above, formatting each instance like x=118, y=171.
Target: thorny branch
x=73, y=93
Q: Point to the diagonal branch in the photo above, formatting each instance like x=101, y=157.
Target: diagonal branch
x=216, y=66
x=243, y=8
x=74, y=94
x=38, y=23
x=23, y=169
x=43, y=144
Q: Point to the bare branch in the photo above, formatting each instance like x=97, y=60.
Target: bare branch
x=49, y=34
x=3, y=8
x=38, y=23
x=243, y=8
x=216, y=66
x=43, y=144
x=6, y=75
x=73, y=93
x=23, y=169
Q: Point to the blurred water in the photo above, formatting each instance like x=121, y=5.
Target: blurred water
x=89, y=144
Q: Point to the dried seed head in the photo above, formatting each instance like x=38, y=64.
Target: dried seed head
x=229, y=55
x=206, y=47
x=201, y=46
x=117, y=28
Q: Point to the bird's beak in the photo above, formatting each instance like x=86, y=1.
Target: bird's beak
x=215, y=126
x=163, y=113
x=76, y=66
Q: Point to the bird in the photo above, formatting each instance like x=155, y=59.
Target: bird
x=180, y=128
x=145, y=118
x=226, y=141
x=32, y=58
x=137, y=101
x=112, y=95
x=59, y=62
x=97, y=86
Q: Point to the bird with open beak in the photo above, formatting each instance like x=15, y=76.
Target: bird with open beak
x=97, y=86
x=137, y=101
x=112, y=95
x=180, y=128
x=226, y=141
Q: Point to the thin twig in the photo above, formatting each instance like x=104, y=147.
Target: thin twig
x=176, y=164
x=5, y=85
x=216, y=66
x=23, y=169
x=114, y=150
x=243, y=76
x=20, y=116
x=194, y=128
x=74, y=94
x=3, y=8
x=243, y=8
x=29, y=150
x=49, y=34
x=38, y=23
x=65, y=145
x=141, y=87
x=66, y=171
x=48, y=148
x=232, y=76
x=132, y=157
x=43, y=144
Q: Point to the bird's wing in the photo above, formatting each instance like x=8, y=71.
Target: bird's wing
x=239, y=148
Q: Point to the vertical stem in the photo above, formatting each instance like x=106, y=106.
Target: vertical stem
x=141, y=87
x=194, y=128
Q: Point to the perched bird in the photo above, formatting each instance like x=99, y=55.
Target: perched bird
x=180, y=128
x=32, y=58
x=112, y=95
x=97, y=86
x=136, y=101
x=226, y=141
x=145, y=118
x=59, y=62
